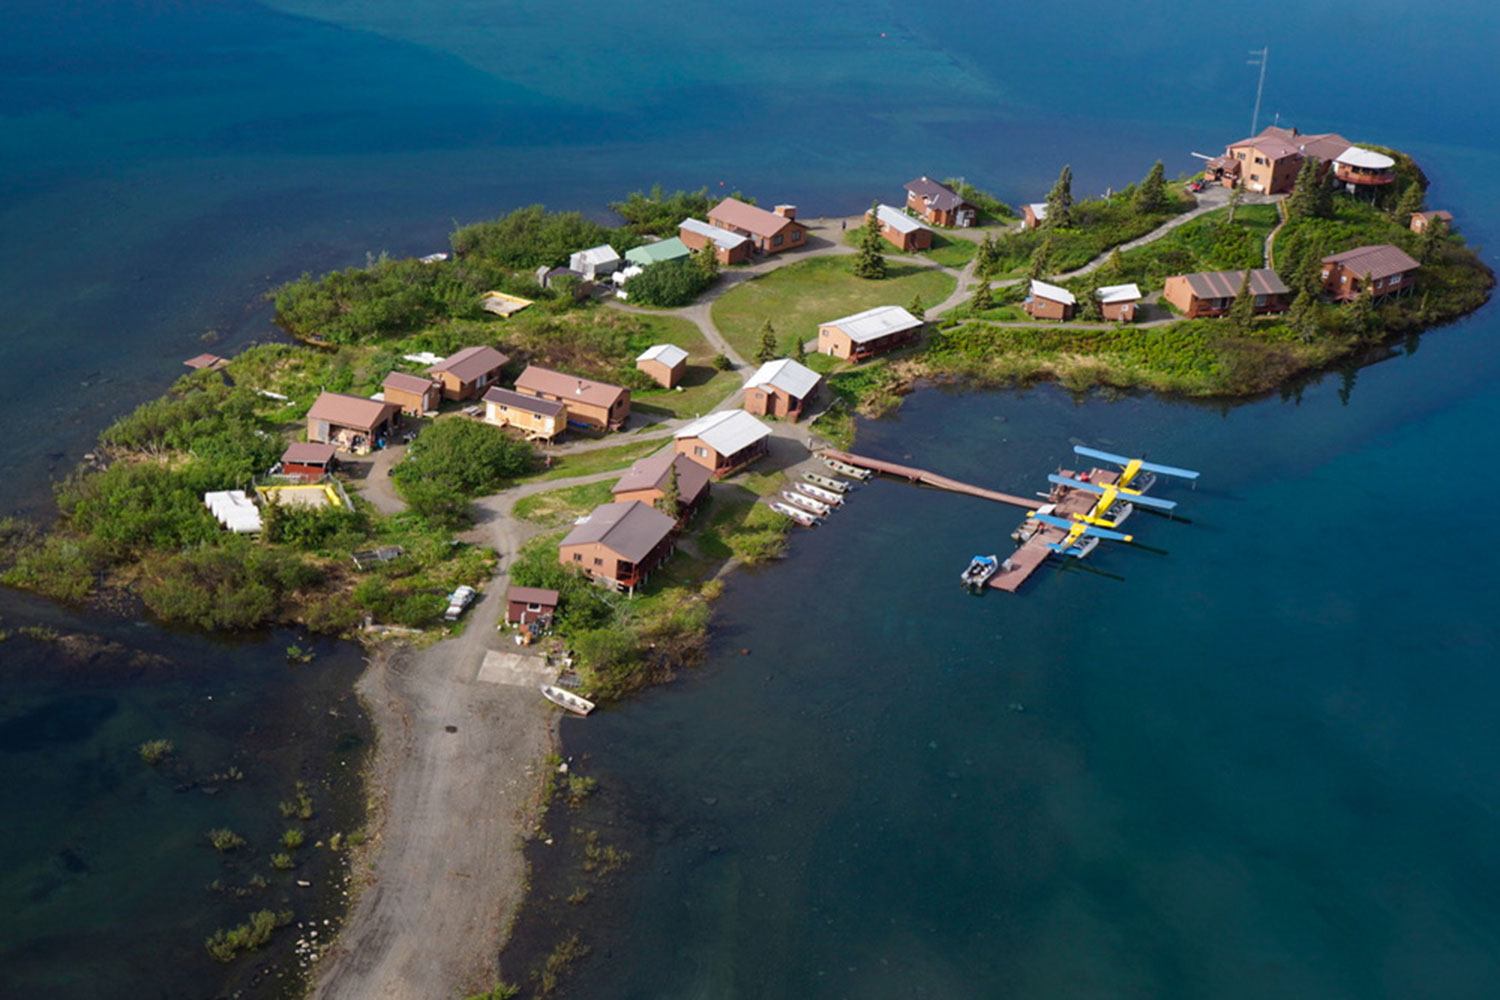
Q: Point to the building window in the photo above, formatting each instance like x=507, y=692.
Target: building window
x=796, y=235
x=1260, y=300
x=1394, y=279
x=578, y=557
x=776, y=240
x=1255, y=177
x=700, y=451
x=598, y=561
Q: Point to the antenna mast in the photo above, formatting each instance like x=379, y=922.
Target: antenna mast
x=1261, y=57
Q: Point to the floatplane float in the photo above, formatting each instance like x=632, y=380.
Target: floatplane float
x=806, y=518
x=1081, y=538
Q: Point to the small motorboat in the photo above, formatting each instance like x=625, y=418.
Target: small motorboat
x=563, y=698
x=845, y=469
x=980, y=569
x=819, y=493
x=828, y=482
x=806, y=502
x=806, y=518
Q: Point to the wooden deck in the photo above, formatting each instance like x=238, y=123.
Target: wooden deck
x=1027, y=559
x=927, y=478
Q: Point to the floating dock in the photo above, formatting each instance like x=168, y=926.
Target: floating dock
x=1034, y=551
x=925, y=477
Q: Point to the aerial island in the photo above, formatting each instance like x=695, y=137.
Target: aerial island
x=549, y=442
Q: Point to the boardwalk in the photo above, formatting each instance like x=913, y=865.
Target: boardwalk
x=926, y=478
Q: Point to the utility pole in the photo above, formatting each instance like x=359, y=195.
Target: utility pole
x=1261, y=57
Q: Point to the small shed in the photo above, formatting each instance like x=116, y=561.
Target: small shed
x=1117, y=302
x=308, y=459
x=413, y=393
x=1049, y=302
x=524, y=605
x=659, y=252
x=595, y=262
x=1421, y=220
x=664, y=363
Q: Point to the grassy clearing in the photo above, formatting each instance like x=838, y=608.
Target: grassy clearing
x=703, y=388
x=585, y=463
x=950, y=251
x=560, y=507
x=798, y=297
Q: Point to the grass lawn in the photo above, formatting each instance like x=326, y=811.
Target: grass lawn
x=586, y=463
x=562, y=506
x=798, y=297
x=703, y=387
x=951, y=251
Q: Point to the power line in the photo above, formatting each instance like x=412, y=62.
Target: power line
x=1262, y=56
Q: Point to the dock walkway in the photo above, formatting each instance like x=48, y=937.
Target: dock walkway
x=927, y=478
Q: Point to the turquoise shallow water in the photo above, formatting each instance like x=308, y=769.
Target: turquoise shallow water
x=1258, y=766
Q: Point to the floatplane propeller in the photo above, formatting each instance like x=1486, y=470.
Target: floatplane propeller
x=1077, y=530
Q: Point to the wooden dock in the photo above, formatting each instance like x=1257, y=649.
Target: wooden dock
x=927, y=478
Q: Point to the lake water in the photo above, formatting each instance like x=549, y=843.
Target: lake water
x=1255, y=766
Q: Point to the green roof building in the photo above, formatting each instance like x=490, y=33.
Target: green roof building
x=657, y=253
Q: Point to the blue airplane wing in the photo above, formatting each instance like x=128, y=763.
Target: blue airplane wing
x=1056, y=522
x=1114, y=536
x=1149, y=501
x=1075, y=483
x=1103, y=456
x=1167, y=470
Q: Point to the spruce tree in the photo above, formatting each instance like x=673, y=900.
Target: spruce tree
x=707, y=261
x=1090, y=308
x=1060, y=202
x=1151, y=196
x=1430, y=239
x=671, y=494
x=987, y=258
x=869, y=263
x=768, y=349
x=1410, y=204
x=1303, y=316
x=916, y=308
x=1303, y=201
x=982, y=298
x=1115, y=266
x=1041, y=258
x=1236, y=195
x=1363, y=320
x=799, y=350
x=1242, y=312
x=1322, y=197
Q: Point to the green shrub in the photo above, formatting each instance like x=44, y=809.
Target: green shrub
x=532, y=237
x=292, y=838
x=225, y=840
x=224, y=945
x=455, y=460
x=153, y=752
x=669, y=284
x=282, y=862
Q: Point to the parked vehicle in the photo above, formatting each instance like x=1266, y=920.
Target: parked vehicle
x=457, y=602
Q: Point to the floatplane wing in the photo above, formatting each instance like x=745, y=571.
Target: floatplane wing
x=1076, y=528
x=1143, y=466
x=1097, y=490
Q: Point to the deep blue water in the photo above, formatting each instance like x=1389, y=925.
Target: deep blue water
x=1258, y=766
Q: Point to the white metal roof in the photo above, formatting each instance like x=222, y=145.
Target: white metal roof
x=1038, y=209
x=1356, y=156
x=897, y=219
x=234, y=510
x=667, y=354
x=1109, y=294
x=788, y=375
x=1042, y=290
x=602, y=254
x=875, y=323
x=721, y=237
x=726, y=432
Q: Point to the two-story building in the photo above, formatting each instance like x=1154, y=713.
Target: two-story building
x=649, y=478
x=1268, y=163
x=591, y=404
x=619, y=544
x=469, y=372
x=939, y=204
x=1378, y=271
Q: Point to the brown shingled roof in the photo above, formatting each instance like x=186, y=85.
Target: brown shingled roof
x=568, y=387
x=938, y=196
x=521, y=401
x=470, y=363
x=747, y=217
x=628, y=528
x=650, y=473
x=532, y=595
x=351, y=411
x=1226, y=284
x=309, y=453
x=406, y=383
x=1379, y=261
